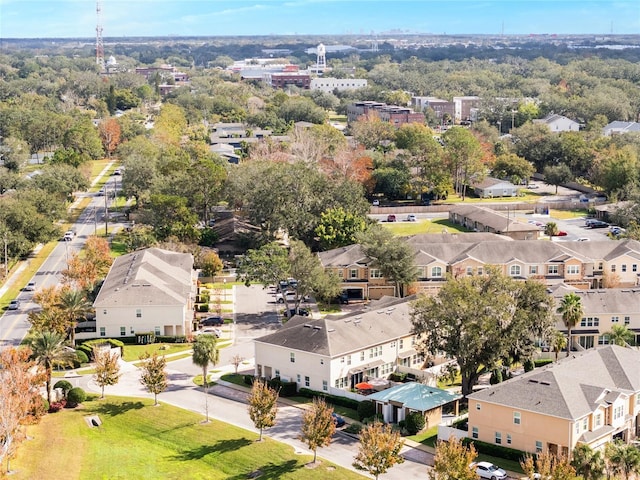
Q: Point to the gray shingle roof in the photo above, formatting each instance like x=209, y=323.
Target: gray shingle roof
x=497, y=221
x=569, y=388
x=607, y=301
x=147, y=277
x=340, y=335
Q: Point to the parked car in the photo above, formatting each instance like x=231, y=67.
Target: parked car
x=489, y=470
x=562, y=233
x=391, y=218
x=68, y=235
x=209, y=331
x=14, y=305
x=615, y=230
x=533, y=186
x=589, y=221
x=343, y=298
x=376, y=203
x=411, y=217
x=338, y=420
x=31, y=287
x=598, y=224
x=290, y=296
x=213, y=321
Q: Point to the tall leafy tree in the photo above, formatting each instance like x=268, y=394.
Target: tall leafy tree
x=483, y=321
x=263, y=405
x=267, y=265
x=587, y=462
x=571, y=310
x=205, y=353
x=110, y=135
x=557, y=175
x=317, y=426
x=89, y=266
x=547, y=465
x=48, y=350
x=452, y=461
x=154, y=374
x=379, y=449
x=463, y=154
x=107, y=370
x=391, y=255
x=338, y=228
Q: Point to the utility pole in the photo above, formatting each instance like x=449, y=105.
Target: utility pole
x=106, y=212
x=6, y=256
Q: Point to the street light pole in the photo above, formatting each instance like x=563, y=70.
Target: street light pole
x=106, y=212
x=6, y=256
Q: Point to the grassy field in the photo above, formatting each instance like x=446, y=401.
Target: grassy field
x=133, y=352
x=139, y=441
x=404, y=229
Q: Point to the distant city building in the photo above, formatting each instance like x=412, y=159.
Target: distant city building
x=388, y=113
x=328, y=85
x=288, y=78
x=165, y=71
x=440, y=107
x=466, y=109
x=558, y=123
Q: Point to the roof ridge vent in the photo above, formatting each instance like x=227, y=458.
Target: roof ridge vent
x=531, y=380
x=331, y=330
x=317, y=327
x=356, y=322
x=347, y=320
x=544, y=383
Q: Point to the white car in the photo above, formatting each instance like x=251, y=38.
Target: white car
x=376, y=203
x=68, y=235
x=489, y=470
x=411, y=217
x=290, y=295
x=533, y=186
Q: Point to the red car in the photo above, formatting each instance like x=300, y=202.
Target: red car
x=562, y=234
x=391, y=218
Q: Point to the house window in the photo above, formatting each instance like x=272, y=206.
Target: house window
x=533, y=270
x=362, y=356
x=307, y=382
x=516, y=418
x=552, y=269
x=131, y=330
x=436, y=272
x=577, y=427
x=375, y=273
x=469, y=270
x=598, y=420
x=292, y=357
x=348, y=359
x=277, y=373
x=615, y=319
x=104, y=312
x=627, y=320
x=618, y=412
x=103, y=331
x=603, y=339
x=322, y=361
x=353, y=273
x=498, y=438
x=624, y=268
x=477, y=406
x=600, y=266
x=585, y=424
x=613, y=268
x=590, y=322
x=156, y=330
x=325, y=385
x=474, y=432
x=514, y=270
x=123, y=331
x=573, y=269
x=538, y=446
x=508, y=439
x=138, y=313
x=480, y=271
x=342, y=359
x=298, y=378
x=634, y=268
x=401, y=343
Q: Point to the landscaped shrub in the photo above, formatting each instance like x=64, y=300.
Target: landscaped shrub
x=495, y=450
x=57, y=406
x=203, y=308
x=248, y=379
x=397, y=377
x=81, y=357
x=76, y=396
x=353, y=428
x=373, y=419
x=366, y=409
x=64, y=386
x=171, y=339
x=529, y=365
x=45, y=405
x=332, y=399
x=541, y=362
x=414, y=422
x=88, y=346
x=496, y=376
x=285, y=389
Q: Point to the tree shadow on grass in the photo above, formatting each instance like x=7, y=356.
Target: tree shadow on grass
x=223, y=446
x=269, y=471
x=113, y=409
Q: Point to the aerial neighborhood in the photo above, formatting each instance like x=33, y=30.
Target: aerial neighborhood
x=431, y=243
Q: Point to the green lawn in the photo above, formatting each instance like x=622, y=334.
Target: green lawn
x=140, y=441
x=404, y=229
x=133, y=352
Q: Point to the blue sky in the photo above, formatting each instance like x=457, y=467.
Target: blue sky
x=77, y=18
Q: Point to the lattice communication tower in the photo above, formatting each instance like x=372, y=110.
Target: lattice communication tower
x=99, y=41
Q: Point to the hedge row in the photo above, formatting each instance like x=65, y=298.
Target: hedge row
x=541, y=362
x=495, y=450
x=332, y=399
x=284, y=389
x=88, y=346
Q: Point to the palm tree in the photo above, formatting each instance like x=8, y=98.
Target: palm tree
x=205, y=352
x=49, y=349
x=558, y=342
x=551, y=229
x=620, y=335
x=571, y=310
x=74, y=305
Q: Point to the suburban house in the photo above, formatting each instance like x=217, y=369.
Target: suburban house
x=591, y=397
x=493, y=187
x=482, y=219
x=583, y=265
x=602, y=309
x=150, y=290
x=558, y=123
x=395, y=403
x=335, y=353
x=617, y=128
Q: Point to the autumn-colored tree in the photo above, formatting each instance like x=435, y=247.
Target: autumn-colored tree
x=48, y=320
x=371, y=132
x=209, y=262
x=317, y=426
x=263, y=405
x=110, y=135
x=19, y=396
x=546, y=465
x=107, y=368
x=90, y=265
x=452, y=461
x=379, y=449
x=154, y=374
x=350, y=164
